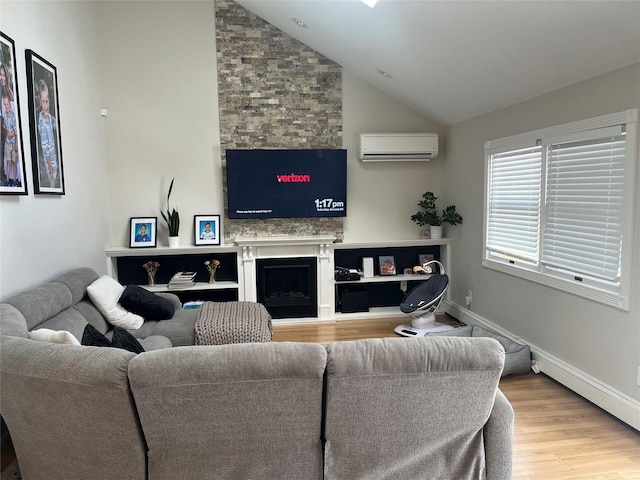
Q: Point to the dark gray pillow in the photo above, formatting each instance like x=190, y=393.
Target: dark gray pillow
x=93, y=338
x=123, y=339
x=148, y=305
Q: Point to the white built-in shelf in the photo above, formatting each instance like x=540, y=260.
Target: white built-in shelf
x=163, y=287
x=394, y=243
x=115, y=252
x=388, y=278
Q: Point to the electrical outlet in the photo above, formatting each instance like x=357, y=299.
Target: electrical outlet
x=470, y=295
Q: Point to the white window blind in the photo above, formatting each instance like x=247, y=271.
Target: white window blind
x=514, y=203
x=559, y=206
x=584, y=206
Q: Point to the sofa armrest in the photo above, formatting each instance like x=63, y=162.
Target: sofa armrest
x=173, y=298
x=498, y=439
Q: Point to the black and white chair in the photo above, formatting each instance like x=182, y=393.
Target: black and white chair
x=422, y=301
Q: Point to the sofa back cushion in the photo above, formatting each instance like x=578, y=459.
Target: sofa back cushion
x=250, y=411
x=69, y=411
x=61, y=304
x=409, y=407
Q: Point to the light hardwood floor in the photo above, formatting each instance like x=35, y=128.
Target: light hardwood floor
x=558, y=435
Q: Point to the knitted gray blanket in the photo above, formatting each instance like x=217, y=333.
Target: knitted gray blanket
x=219, y=323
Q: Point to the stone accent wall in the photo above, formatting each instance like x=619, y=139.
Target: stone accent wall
x=274, y=92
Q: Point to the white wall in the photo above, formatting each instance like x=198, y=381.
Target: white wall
x=601, y=341
x=42, y=236
x=160, y=89
x=382, y=196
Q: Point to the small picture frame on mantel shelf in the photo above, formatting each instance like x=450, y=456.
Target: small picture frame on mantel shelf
x=387, y=265
x=142, y=232
x=206, y=229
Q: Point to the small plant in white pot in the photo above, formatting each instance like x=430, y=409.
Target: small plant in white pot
x=172, y=218
x=429, y=216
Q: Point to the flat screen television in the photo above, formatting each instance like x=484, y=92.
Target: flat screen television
x=287, y=183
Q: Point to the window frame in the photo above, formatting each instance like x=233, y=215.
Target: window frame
x=609, y=293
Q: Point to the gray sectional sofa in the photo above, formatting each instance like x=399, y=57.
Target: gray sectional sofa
x=398, y=408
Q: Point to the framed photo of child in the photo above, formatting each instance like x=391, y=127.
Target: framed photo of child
x=142, y=232
x=206, y=229
x=44, y=125
x=12, y=165
x=387, y=265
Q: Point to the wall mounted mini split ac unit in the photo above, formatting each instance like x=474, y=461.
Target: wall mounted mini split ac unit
x=399, y=147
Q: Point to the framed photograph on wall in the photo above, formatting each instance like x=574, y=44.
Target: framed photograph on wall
x=206, y=229
x=142, y=232
x=44, y=125
x=12, y=169
x=387, y=265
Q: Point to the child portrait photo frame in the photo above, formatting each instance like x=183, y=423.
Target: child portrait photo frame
x=12, y=169
x=387, y=265
x=44, y=125
x=206, y=229
x=142, y=232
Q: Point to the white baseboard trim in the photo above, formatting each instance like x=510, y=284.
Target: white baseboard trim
x=616, y=403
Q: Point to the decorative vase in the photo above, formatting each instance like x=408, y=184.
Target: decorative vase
x=174, y=242
x=436, y=231
x=152, y=278
x=425, y=234
x=212, y=276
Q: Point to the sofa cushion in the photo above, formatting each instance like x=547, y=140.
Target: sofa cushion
x=105, y=293
x=53, y=336
x=69, y=411
x=250, y=411
x=123, y=339
x=147, y=304
x=415, y=407
x=41, y=303
x=155, y=342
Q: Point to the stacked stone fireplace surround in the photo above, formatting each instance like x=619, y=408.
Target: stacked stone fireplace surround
x=274, y=92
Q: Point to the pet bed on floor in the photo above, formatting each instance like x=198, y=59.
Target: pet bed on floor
x=517, y=356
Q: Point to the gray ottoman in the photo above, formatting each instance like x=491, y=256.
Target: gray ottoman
x=517, y=356
x=220, y=323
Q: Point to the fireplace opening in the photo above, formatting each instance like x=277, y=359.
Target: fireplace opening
x=287, y=287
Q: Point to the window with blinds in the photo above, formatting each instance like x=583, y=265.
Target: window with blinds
x=559, y=206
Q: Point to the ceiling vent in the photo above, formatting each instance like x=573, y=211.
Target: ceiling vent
x=397, y=147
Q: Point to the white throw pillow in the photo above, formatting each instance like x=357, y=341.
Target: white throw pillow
x=105, y=293
x=53, y=336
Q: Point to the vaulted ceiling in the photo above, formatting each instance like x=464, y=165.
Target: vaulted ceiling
x=455, y=60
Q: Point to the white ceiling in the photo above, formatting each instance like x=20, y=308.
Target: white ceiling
x=455, y=60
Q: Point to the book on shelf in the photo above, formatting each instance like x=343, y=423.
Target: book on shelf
x=182, y=279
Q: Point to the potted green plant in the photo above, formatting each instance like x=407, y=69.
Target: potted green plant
x=429, y=216
x=172, y=218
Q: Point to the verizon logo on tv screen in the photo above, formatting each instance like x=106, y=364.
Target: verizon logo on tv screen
x=287, y=183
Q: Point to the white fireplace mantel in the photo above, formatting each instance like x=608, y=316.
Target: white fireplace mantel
x=318, y=246
x=287, y=241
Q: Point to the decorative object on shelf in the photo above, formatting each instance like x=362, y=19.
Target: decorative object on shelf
x=142, y=232
x=13, y=180
x=206, y=229
x=44, y=125
x=182, y=280
x=387, y=265
x=172, y=218
x=151, y=267
x=212, y=266
x=429, y=216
